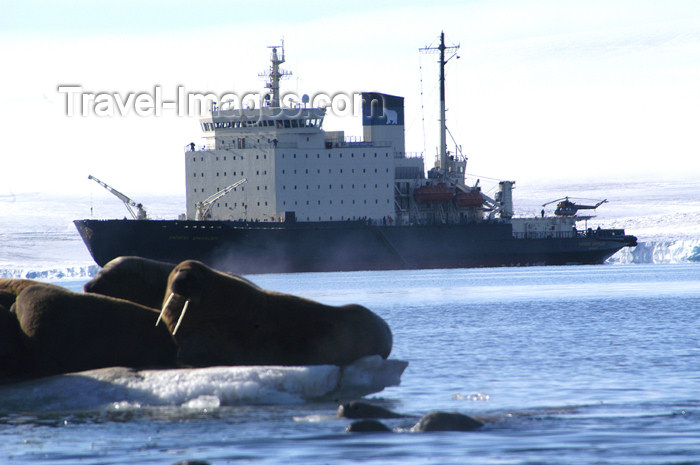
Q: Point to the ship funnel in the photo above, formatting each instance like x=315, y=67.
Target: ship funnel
x=382, y=120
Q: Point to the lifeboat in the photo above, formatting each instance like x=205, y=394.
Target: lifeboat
x=433, y=193
x=471, y=199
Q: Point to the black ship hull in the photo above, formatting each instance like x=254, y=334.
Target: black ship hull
x=251, y=247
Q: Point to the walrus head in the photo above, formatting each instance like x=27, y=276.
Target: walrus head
x=185, y=286
x=192, y=284
x=137, y=279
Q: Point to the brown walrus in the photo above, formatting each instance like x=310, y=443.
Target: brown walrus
x=11, y=288
x=13, y=354
x=13, y=359
x=67, y=331
x=136, y=279
x=446, y=421
x=218, y=319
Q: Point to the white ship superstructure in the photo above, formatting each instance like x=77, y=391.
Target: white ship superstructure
x=286, y=168
x=294, y=169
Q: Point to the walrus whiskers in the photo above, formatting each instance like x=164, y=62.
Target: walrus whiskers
x=182, y=315
x=160, y=315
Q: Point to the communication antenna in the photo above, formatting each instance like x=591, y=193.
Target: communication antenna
x=443, y=131
x=275, y=74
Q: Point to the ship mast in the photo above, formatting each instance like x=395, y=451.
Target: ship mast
x=275, y=74
x=443, y=127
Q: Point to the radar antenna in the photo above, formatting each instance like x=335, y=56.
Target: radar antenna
x=274, y=75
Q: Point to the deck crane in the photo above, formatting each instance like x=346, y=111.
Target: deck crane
x=140, y=213
x=566, y=207
x=203, y=208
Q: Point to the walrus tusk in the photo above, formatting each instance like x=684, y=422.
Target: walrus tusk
x=160, y=315
x=182, y=315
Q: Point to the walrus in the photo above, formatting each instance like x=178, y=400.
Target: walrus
x=367, y=426
x=136, y=279
x=219, y=319
x=13, y=356
x=446, y=421
x=67, y=331
x=11, y=288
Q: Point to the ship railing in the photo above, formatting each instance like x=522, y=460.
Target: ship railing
x=408, y=154
x=601, y=233
x=354, y=141
x=235, y=146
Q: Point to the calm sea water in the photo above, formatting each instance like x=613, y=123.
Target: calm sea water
x=567, y=365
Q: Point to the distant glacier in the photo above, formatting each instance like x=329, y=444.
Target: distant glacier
x=670, y=251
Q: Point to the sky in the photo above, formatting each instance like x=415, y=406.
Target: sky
x=540, y=91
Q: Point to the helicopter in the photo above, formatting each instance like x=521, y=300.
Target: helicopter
x=566, y=207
